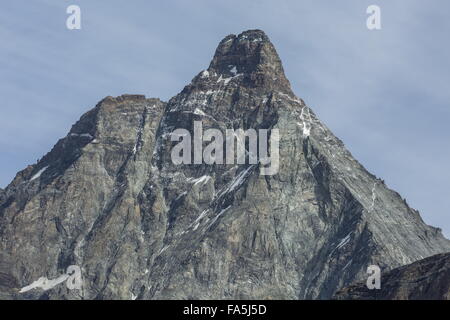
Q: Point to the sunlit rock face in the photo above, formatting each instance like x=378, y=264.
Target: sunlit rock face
x=109, y=199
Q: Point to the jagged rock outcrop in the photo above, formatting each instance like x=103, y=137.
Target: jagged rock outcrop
x=109, y=199
x=426, y=279
x=2, y=195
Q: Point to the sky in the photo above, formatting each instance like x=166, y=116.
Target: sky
x=385, y=93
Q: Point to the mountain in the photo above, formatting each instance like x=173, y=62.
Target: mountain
x=109, y=199
x=427, y=279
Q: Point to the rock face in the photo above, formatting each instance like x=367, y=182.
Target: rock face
x=427, y=279
x=109, y=199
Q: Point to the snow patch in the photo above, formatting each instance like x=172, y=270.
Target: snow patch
x=341, y=243
x=38, y=174
x=295, y=99
x=233, y=70
x=204, y=212
x=374, y=196
x=163, y=249
x=205, y=74
x=45, y=283
x=236, y=182
x=181, y=195
x=209, y=92
x=306, y=123
x=83, y=135
x=199, y=112
x=225, y=80
x=202, y=180
x=347, y=265
x=218, y=215
x=344, y=241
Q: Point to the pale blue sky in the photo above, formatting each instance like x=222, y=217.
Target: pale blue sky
x=384, y=93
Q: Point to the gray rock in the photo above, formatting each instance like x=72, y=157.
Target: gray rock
x=426, y=279
x=109, y=199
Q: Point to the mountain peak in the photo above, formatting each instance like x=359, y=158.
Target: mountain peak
x=110, y=199
x=252, y=54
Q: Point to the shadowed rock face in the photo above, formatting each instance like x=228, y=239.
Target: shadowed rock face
x=109, y=199
x=426, y=279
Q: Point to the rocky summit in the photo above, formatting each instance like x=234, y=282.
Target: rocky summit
x=109, y=199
